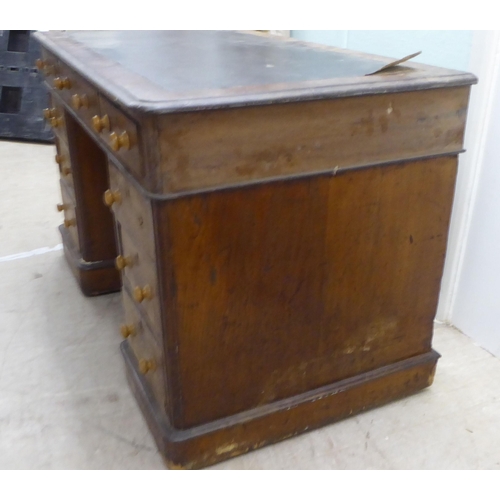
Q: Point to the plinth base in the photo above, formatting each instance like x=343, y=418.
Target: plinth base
x=94, y=278
x=216, y=441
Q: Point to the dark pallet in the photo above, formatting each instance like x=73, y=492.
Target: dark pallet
x=18, y=49
x=22, y=95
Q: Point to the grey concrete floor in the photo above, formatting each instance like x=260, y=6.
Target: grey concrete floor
x=65, y=403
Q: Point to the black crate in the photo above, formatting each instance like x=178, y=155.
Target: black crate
x=22, y=95
x=18, y=49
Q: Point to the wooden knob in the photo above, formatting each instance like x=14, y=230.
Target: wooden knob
x=147, y=365
x=143, y=293
x=48, y=69
x=127, y=330
x=49, y=113
x=69, y=222
x=66, y=171
x=56, y=122
x=59, y=159
x=62, y=82
x=100, y=123
x=61, y=207
x=119, y=141
x=80, y=101
x=122, y=262
x=111, y=197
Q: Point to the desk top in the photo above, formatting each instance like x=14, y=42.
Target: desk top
x=170, y=71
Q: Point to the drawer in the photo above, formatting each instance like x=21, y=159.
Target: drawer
x=50, y=67
x=140, y=278
x=64, y=163
x=80, y=97
x=131, y=209
x=148, y=352
x=68, y=207
x=121, y=135
x=61, y=80
x=55, y=117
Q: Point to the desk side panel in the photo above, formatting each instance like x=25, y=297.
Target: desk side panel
x=277, y=289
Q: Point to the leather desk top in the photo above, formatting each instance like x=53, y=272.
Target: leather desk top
x=170, y=71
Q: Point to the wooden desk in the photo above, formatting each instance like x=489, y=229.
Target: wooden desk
x=280, y=217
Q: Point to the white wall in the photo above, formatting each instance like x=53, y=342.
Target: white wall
x=449, y=49
x=475, y=298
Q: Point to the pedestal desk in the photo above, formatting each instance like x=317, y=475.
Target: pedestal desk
x=276, y=214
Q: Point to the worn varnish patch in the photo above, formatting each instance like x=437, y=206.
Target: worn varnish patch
x=224, y=147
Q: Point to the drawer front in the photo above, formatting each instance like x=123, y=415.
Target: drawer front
x=80, y=97
x=50, y=69
x=64, y=163
x=122, y=136
x=69, y=210
x=62, y=80
x=147, y=351
x=140, y=278
x=133, y=211
x=55, y=117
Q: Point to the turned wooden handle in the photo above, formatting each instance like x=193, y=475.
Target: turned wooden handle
x=56, y=121
x=80, y=101
x=147, y=365
x=100, y=123
x=122, y=262
x=119, y=141
x=111, y=197
x=62, y=82
x=49, y=113
x=69, y=222
x=43, y=65
x=127, y=330
x=140, y=294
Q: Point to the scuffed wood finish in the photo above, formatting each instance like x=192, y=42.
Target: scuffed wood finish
x=227, y=147
x=294, y=285
x=286, y=219
x=226, y=438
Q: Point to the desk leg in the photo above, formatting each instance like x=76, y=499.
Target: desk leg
x=94, y=263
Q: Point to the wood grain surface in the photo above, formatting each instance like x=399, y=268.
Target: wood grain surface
x=274, y=290
x=227, y=147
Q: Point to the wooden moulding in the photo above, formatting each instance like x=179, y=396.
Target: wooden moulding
x=94, y=278
x=228, y=437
